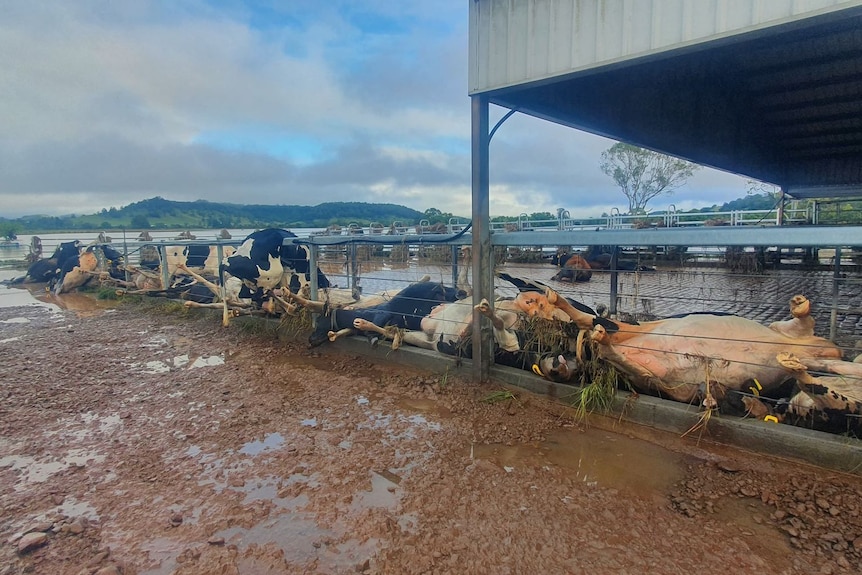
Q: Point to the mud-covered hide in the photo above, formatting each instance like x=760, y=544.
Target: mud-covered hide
x=77, y=272
x=696, y=357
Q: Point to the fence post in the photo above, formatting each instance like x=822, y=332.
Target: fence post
x=615, y=274
x=312, y=278
x=163, y=253
x=483, y=256
x=836, y=277
x=354, y=267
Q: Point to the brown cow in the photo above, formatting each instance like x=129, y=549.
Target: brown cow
x=698, y=355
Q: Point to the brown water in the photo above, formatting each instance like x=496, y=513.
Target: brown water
x=595, y=457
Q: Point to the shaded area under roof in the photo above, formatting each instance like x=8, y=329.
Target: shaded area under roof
x=782, y=104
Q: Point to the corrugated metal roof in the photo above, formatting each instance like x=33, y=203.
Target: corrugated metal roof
x=769, y=89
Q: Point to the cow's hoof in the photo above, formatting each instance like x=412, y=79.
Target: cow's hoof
x=790, y=361
x=800, y=306
x=599, y=334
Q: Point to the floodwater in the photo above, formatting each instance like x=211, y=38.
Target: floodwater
x=668, y=291
x=595, y=457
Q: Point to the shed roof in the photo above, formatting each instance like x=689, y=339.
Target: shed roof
x=779, y=103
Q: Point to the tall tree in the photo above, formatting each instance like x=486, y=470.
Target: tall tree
x=643, y=174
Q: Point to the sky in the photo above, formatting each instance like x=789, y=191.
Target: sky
x=108, y=102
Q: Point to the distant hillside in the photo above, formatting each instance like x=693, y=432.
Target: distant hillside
x=161, y=213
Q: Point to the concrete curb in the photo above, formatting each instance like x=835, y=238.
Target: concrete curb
x=813, y=447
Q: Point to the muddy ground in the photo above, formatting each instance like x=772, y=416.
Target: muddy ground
x=146, y=440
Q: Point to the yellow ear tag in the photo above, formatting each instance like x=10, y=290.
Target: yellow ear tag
x=755, y=390
x=771, y=418
x=537, y=370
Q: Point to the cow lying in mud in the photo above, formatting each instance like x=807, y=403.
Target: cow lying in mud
x=431, y=316
x=404, y=311
x=448, y=329
x=47, y=270
x=69, y=268
x=705, y=357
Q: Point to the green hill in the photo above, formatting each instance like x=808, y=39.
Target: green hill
x=159, y=213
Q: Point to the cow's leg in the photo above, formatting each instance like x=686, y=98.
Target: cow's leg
x=315, y=306
x=485, y=309
x=235, y=312
x=201, y=279
x=333, y=335
x=389, y=332
x=800, y=370
x=582, y=319
x=419, y=339
x=288, y=307
x=800, y=306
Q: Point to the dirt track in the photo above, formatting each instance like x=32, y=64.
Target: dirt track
x=150, y=442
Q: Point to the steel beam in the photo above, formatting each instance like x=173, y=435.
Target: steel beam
x=483, y=285
x=789, y=236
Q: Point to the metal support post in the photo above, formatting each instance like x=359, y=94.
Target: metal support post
x=615, y=274
x=312, y=275
x=455, y=252
x=483, y=342
x=163, y=254
x=836, y=278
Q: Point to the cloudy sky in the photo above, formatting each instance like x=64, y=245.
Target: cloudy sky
x=103, y=103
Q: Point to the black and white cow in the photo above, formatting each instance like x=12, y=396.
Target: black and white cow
x=404, y=311
x=48, y=270
x=263, y=262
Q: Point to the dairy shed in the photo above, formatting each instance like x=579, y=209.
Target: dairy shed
x=767, y=89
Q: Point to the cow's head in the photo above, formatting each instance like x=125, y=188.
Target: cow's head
x=557, y=367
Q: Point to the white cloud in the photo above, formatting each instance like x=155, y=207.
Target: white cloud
x=104, y=104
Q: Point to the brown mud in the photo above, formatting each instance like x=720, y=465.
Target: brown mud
x=148, y=440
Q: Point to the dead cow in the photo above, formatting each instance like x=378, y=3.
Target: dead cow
x=698, y=356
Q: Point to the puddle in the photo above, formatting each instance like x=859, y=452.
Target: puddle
x=596, y=457
x=204, y=361
x=383, y=493
x=164, y=552
x=19, y=296
x=32, y=470
x=267, y=489
x=302, y=541
x=178, y=362
x=71, y=507
x=82, y=304
x=424, y=405
x=294, y=533
x=271, y=442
